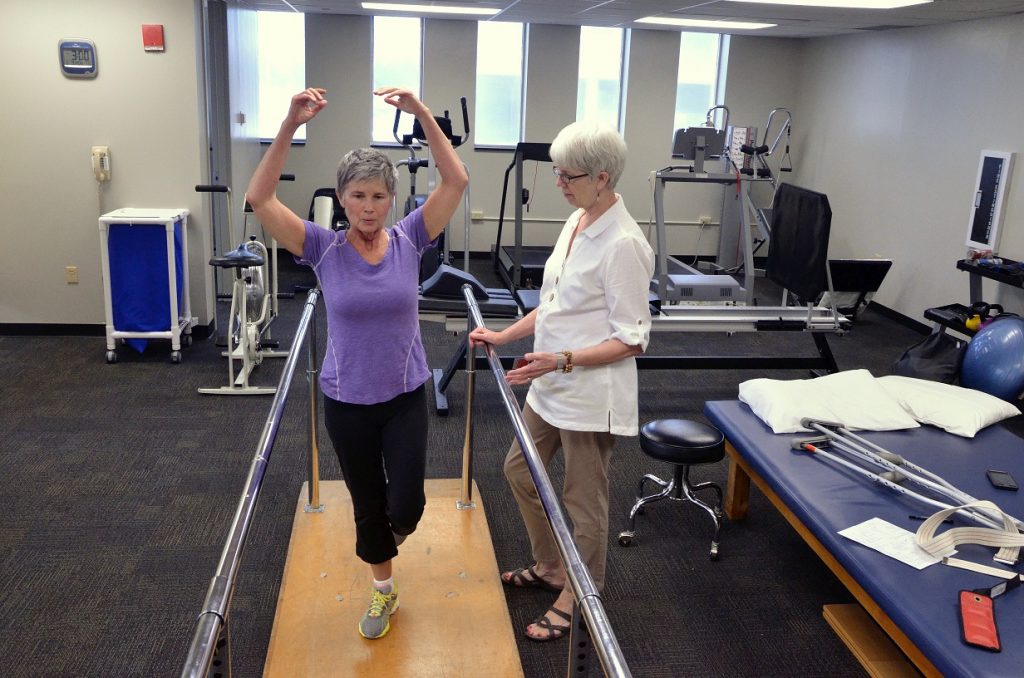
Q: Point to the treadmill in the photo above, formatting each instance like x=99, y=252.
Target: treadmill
x=521, y=267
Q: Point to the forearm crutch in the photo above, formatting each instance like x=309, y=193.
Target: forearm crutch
x=899, y=468
x=813, y=446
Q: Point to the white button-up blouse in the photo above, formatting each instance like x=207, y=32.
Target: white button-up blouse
x=600, y=292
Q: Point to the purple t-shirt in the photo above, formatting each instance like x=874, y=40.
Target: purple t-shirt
x=374, y=350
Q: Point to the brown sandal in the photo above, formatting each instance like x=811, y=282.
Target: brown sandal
x=518, y=579
x=554, y=631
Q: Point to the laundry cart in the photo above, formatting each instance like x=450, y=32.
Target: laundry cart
x=145, y=278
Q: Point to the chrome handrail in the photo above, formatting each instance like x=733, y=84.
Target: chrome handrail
x=215, y=608
x=583, y=587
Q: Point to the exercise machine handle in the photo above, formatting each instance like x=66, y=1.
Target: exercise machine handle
x=394, y=129
x=786, y=126
x=465, y=119
x=219, y=188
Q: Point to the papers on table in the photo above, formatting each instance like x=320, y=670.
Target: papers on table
x=892, y=541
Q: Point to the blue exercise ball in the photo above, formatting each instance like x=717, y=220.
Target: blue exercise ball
x=994, y=361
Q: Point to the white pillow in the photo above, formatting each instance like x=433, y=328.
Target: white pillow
x=852, y=399
x=958, y=410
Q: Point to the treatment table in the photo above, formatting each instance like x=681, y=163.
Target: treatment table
x=917, y=609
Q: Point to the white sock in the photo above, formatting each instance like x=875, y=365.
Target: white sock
x=384, y=586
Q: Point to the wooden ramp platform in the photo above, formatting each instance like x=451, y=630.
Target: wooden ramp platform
x=453, y=620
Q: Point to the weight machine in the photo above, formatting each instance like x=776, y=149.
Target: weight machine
x=442, y=256
x=738, y=152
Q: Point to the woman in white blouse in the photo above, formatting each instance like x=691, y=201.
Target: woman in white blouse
x=593, y=319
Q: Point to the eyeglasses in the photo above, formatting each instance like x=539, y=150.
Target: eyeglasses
x=566, y=178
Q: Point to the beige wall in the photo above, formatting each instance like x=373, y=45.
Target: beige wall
x=889, y=125
x=892, y=128
x=338, y=57
x=147, y=107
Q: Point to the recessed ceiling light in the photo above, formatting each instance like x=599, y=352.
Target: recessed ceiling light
x=845, y=4
x=430, y=9
x=703, y=23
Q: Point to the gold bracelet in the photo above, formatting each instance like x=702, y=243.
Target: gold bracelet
x=567, y=368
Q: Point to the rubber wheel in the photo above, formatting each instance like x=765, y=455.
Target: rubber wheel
x=186, y=340
x=625, y=539
x=176, y=357
x=111, y=357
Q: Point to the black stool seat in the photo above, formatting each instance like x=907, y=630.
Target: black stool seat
x=679, y=441
x=240, y=257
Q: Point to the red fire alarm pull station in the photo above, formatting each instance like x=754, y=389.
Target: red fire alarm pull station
x=153, y=37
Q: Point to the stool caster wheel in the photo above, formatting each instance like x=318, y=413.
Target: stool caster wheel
x=626, y=538
x=111, y=357
x=186, y=340
x=714, y=551
x=175, y=357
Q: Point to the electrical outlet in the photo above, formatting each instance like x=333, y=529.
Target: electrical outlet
x=71, y=275
x=476, y=215
x=704, y=220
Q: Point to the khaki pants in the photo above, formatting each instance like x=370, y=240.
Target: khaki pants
x=587, y=455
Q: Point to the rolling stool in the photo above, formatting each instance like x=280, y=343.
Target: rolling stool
x=681, y=443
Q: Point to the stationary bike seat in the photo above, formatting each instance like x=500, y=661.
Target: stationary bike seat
x=240, y=257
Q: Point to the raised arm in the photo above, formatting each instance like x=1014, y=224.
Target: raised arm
x=441, y=203
x=283, y=224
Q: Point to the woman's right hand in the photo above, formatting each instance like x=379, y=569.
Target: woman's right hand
x=305, y=105
x=482, y=335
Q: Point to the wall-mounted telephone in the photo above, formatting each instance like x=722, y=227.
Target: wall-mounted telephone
x=101, y=162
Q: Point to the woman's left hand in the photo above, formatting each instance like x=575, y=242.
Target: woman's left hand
x=538, y=364
x=402, y=99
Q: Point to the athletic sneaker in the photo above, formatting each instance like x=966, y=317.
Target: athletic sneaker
x=377, y=620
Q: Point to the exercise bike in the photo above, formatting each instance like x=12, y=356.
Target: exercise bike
x=253, y=306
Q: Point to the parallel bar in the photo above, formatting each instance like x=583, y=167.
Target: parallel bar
x=707, y=362
x=583, y=587
x=314, y=448
x=466, y=500
x=218, y=597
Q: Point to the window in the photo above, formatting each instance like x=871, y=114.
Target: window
x=281, y=63
x=396, y=62
x=599, y=94
x=499, y=83
x=698, y=77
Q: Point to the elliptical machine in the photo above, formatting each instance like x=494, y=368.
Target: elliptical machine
x=253, y=305
x=431, y=261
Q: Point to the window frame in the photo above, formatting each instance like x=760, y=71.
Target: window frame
x=523, y=60
x=300, y=136
x=391, y=143
x=625, y=42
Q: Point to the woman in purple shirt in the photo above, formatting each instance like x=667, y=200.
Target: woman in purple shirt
x=374, y=366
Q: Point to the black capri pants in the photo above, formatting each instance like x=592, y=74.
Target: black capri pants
x=382, y=450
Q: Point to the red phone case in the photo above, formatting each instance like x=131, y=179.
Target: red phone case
x=520, y=362
x=978, y=621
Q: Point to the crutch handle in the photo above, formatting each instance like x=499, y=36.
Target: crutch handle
x=807, y=422
x=798, y=443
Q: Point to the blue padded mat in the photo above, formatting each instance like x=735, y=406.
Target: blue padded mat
x=827, y=498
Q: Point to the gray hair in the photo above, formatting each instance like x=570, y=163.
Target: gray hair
x=366, y=164
x=592, y=147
